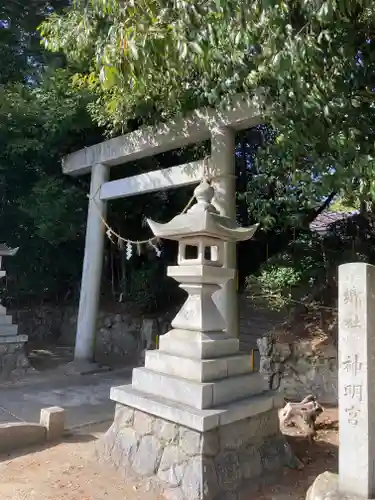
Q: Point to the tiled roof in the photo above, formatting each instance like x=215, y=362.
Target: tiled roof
x=323, y=222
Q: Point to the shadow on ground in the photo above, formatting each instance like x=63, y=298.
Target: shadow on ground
x=83, y=435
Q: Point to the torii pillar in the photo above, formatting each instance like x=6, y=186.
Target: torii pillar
x=223, y=158
x=92, y=268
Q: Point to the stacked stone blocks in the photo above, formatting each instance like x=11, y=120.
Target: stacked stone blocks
x=189, y=464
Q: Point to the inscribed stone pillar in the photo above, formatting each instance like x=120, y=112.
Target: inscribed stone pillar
x=223, y=160
x=92, y=268
x=356, y=362
x=357, y=379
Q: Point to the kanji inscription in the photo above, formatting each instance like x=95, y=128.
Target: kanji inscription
x=353, y=414
x=352, y=365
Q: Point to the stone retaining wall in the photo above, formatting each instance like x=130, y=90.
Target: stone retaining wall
x=301, y=366
x=123, y=331
x=190, y=465
x=120, y=334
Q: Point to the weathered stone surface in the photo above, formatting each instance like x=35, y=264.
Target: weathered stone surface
x=124, y=416
x=143, y=423
x=190, y=441
x=250, y=462
x=165, y=431
x=303, y=367
x=104, y=447
x=233, y=436
x=228, y=470
x=174, y=473
x=325, y=487
x=172, y=455
x=127, y=442
x=192, y=465
x=211, y=443
x=169, y=476
x=199, y=479
x=146, y=458
x=272, y=453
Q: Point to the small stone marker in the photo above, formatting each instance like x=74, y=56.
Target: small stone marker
x=357, y=379
x=53, y=419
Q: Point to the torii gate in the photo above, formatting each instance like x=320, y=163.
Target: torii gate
x=202, y=124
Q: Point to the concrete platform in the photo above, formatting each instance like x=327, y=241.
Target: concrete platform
x=85, y=398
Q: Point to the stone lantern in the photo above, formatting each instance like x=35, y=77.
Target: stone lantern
x=13, y=359
x=196, y=416
x=201, y=234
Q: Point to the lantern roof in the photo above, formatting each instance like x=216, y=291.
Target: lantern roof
x=202, y=220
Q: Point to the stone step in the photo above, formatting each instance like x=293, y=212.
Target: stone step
x=201, y=420
x=198, y=345
x=6, y=330
x=5, y=319
x=196, y=394
x=199, y=370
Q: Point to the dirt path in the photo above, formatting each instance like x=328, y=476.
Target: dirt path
x=69, y=471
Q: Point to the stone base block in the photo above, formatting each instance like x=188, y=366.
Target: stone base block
x=326, y=487
x=5, y=319
x=217, y=464
x=196, y=394
x=199, y=345
x=13, y=359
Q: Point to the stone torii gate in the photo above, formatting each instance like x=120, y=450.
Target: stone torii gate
x=218, y=126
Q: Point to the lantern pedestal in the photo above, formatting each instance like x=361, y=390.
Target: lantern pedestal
x=195, y=417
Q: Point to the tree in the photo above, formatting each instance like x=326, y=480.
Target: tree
x=22, y=56
x=145, y=61
x=40, y=210
x=313, y=61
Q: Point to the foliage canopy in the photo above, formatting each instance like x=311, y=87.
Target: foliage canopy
x=313, y=60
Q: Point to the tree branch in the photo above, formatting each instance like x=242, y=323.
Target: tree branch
x=314, y=214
